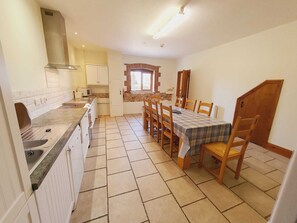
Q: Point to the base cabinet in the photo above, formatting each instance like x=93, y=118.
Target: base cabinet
x=54, y=196
x=84, y=125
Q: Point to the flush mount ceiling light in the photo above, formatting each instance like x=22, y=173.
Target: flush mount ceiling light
x=171, y=24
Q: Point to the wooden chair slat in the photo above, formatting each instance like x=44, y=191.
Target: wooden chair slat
x=205, y=108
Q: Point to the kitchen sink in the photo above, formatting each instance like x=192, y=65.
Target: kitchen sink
x=34, y=143
x=38, y=141
x=32, y=156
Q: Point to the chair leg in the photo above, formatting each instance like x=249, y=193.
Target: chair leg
x=222, y=171
x=162, y=140
x=201, y=157
x=151, y=129
x=238, y=168
x=157, y=134
x=171, y=146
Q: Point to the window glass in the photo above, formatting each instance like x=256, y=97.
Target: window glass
x=146, y=81
x=135, y=80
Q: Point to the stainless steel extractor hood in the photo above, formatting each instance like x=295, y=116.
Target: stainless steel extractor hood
x=56, y=40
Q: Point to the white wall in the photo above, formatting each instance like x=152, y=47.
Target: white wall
x=224, y=73
x=168, y=70
x=83, y=57
x=23, y=43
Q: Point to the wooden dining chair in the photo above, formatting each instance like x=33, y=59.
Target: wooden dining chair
x=156, y=122
x=205, y=108
x=167, y=126
x=179, y=102
x=190, y=104
x=155, y=97
x=147, y=114
x=234, y=149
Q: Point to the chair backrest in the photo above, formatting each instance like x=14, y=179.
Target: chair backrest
x=155, y=97
x=205, y=108
x=147, y=106
x=155, y=111
x=166, y=118
x=179, y=102
x=190, y=104
x=243, y=128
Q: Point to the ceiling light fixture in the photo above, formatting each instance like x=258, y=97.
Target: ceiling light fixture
x=75, y=33
x=171, y=24
x=83, y=46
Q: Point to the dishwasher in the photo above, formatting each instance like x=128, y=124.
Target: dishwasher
x=75, y=163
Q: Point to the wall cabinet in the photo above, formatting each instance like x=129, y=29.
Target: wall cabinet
x=97, y=75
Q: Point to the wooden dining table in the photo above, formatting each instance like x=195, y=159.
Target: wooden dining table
x=193, y=130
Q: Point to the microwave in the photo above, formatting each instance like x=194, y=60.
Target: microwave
x=85, y=92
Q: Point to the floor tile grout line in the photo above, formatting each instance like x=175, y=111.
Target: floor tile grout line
x=86, y=171
x=147, y=216
x=95, y=188
x=95, y=218
x=107, y=200
x=126, y=192
x=171, y=193
x=212, y=179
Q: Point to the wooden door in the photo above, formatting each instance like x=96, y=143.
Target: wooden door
x=262, y=100
x=183, y=84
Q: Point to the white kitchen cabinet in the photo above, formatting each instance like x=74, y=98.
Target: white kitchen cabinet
x=59, y=190
x=84, y=125
x=54, y=196
x=97, y=75
x=75, y=161
x=93, y=112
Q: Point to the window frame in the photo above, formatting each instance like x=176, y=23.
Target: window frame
x=142, y=71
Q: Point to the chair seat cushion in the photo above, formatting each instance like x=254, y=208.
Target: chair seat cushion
x=219, y=149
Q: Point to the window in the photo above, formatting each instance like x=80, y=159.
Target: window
x=142, y=80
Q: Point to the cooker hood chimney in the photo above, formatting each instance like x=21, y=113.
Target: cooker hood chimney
x=55, y=40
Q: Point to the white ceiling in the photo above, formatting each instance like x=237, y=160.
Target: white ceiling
x=128, y=25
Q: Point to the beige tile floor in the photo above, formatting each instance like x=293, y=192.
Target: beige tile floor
x=130, y=178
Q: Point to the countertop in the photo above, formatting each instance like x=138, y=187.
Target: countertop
x=71, y=116
x=80, y=101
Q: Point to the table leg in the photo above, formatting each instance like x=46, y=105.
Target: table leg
x=183, y=163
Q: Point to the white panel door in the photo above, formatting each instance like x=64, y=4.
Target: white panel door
x=116, y=97
x=15, y=185
x=92, y=74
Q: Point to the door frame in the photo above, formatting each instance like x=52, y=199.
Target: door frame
x=15, y=141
